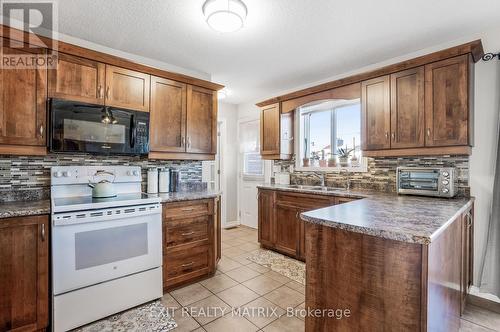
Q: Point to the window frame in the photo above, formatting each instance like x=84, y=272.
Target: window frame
x=300, y=145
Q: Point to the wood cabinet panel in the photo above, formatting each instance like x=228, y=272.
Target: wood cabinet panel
x=201, y=125
x=467, y=255
x=270, y=130
x=266, y=217
x=187, y=230
x=287, y=228
x=23, y=109
x=168, y=115
x=24, y=283
x=407, y=108
x=447, y=102
x=77, y=79
x=378, y=280
x=127, y=89
x=376, y=113
x=191, y=241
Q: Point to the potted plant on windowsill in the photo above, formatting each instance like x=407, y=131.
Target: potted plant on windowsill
x=322, y=161
x=314, y=158
x=305, y=160
x=343, y=154
x=332, y=161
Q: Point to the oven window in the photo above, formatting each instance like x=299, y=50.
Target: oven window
x=87, y=131
x=104, y=246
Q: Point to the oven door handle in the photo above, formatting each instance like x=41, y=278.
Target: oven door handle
x=133, y=131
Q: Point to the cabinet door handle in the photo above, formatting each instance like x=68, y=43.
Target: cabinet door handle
x=428, y=132
x=183, y=141
x=99, y=91
x=41, y=130
x=107, y=92
x=187, y=265
x=43, y=232
x=187, y=209
x=297, y=215
x=386, y=135
x=393, y=136
x=187, y=234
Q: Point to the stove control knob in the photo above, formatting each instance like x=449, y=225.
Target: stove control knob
x=66, y=174
x=446, y=174
x=135, y=173
x=445, y=182
x=445, y=190
x=58, y=174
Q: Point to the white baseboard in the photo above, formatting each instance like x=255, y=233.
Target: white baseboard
x=231, y=224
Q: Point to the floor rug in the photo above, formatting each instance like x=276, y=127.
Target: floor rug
x=289, y=267
x=149, y=317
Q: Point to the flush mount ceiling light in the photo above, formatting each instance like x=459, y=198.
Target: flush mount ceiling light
x=225, y=15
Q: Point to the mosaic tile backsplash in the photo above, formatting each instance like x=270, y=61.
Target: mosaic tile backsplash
x=28, y=177
x=381, y=173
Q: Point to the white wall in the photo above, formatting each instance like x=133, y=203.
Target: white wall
x=229, y=113
x=483, y=159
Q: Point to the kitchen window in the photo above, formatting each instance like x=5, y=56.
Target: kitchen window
x=326, y=130
x=253, y=165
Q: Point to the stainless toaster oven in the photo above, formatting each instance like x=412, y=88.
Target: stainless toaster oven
x=439, y=182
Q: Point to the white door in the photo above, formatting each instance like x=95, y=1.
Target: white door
x=251, y=171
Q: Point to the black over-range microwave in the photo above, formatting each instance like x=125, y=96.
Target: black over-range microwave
x=98, y=129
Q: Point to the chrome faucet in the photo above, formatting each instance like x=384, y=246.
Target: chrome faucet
x=348, y=178
x=320, y=176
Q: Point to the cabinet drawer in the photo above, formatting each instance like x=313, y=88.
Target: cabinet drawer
x=186, y=261
x=182, y=231
x=305, y=201
x=184, y=209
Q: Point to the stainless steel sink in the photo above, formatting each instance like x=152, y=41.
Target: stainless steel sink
x=316, y=188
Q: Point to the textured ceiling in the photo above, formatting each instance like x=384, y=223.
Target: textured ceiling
x=285, y=43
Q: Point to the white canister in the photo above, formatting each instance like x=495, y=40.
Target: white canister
x=164, y=180
x=152, y=180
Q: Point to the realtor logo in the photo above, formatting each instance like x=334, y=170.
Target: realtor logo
x=35, y=49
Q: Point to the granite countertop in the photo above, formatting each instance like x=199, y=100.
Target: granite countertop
x=186, y=196
x=30, y=208
x=24, y=208
x=412, y=219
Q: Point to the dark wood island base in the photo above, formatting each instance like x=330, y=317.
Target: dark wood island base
x=386, y=285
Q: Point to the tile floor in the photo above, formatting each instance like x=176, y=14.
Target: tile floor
x=241, y=283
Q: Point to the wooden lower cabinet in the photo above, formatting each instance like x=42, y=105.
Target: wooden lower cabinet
x=387, y=285
x=24, y=273
x=191, y=241
x=280, y=226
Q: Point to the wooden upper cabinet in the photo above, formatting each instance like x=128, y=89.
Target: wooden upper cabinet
x=407, y=108
x=201, y=125
x=23, y=109
x=447, y=102
x=270, y=130
x=77, y=79
x=127, y=89
x=376, y=113
x=168, y=115
x=24, y=277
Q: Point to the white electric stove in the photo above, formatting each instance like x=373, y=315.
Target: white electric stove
x=106, y=252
